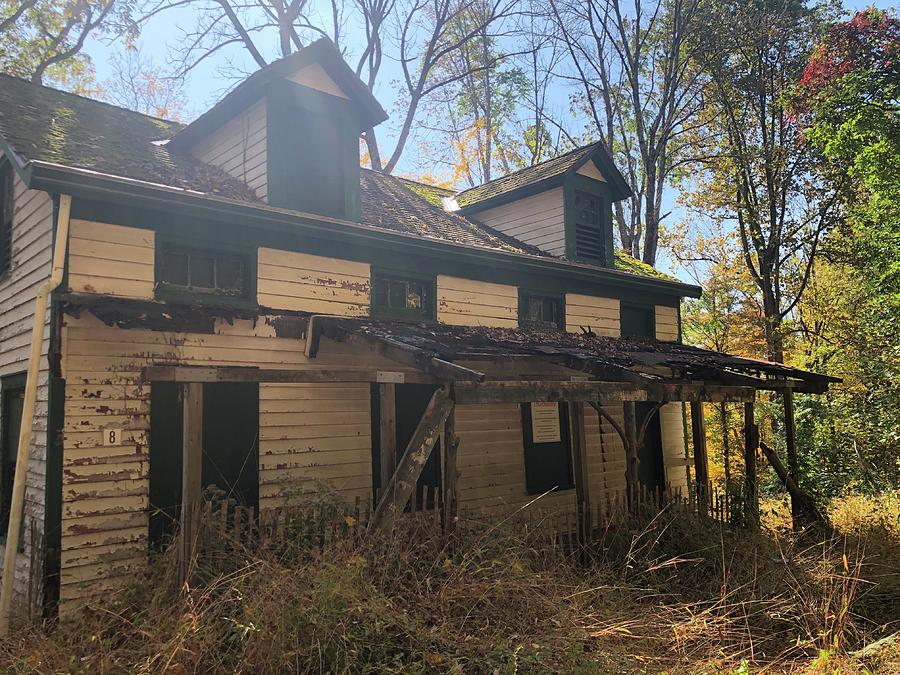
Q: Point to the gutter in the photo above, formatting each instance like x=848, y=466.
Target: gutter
x=59, y=178
x=31, y=383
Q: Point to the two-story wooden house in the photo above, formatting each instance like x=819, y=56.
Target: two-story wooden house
x=311, y=321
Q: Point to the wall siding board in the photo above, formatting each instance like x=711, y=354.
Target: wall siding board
x=238, y=147
x=601, y=315
x=538, y=220
x=464, y=302
x=32, y=241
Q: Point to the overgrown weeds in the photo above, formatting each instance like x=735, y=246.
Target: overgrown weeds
x=671, y=593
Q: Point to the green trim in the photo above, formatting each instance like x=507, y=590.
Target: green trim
x=526, y=293
x=578, y=183
x=514, y=195
x=643, y=306
x=429, y=313
x=246, y=299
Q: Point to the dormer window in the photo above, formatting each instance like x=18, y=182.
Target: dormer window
x=589, y=243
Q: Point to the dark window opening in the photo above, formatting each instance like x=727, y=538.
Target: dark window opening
x=548, y=457
x=588, y=227
x=196, y=270
x=541, y=311
x=7, y=208
x=13, y=402
x=397, y=296
x=637, y=321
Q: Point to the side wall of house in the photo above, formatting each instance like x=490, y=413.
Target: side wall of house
x=671, y=417
x=465, y=302
x=538, y=220
x=32, y=242
x=239, y=148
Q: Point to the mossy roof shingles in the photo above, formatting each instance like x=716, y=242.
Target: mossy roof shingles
x=48, y=125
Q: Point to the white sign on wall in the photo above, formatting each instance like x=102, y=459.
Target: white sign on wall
x=545, y=422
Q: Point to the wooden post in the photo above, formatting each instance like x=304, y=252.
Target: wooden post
x=403, y=482
x=451, y=489
x=751, y=442
x=631, y=451
x=790, y=436
x=701, y=463
x=387, y=405
x=191, y=477
x=579, y=455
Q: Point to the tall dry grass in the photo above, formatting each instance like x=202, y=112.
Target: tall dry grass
x=670, y=593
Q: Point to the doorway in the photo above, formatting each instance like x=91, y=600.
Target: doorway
x=230, y=449
x=13, y=403
x=651, y=471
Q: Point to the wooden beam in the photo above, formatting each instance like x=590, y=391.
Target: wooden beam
x=409, y=468
x=631, y=451
x=250, y=374
x=451, y=485
x=805, y=503
x=790, y=437
x=191, y=475
x=526, y=391
x=387, y=431
x=701, y=460
x=751, y=443
x=579, y=465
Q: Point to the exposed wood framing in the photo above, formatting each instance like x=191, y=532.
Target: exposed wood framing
x=191, y=473
x=593, y=391
x=399, y=489
x=806, y=505
x=579, y=464
x=701, y=461
x=790, y=437
x=250, y=374
x=451, y=483
x=387, y=429
x=631, y=449
x=751, y=443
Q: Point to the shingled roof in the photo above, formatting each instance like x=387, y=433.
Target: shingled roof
x=40, y=123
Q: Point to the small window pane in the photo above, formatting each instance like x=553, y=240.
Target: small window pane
x=380, y=293
x=396, y=295
x=402, y=297
x=414, y=299
x=175, y=268
x=230, y=273
x=203, y=271
x=541, y=311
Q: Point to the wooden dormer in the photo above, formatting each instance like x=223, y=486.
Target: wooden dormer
x=291, y=132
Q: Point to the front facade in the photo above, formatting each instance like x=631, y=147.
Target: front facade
x=211, y=245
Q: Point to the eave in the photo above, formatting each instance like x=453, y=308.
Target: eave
x=57, y=178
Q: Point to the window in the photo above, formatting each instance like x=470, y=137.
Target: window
x=544, y=311
x=637, y=321
x=402, y=297
x=202, y=271
x=548, y=459
x=7, y=208
x=588, y=227
x=12, y=402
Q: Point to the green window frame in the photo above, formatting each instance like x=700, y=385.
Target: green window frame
x=7, y=211
x=197, y=273
x=403, y=296
x=637, y=320
x=12, y=394
x=542, y=310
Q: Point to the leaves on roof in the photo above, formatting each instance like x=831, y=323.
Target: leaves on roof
x=625, y=263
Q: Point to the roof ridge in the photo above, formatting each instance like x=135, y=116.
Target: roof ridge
x=449, y=191
x=90, y=99
x=529, y=167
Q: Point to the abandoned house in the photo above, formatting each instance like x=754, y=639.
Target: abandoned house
x=237, y=302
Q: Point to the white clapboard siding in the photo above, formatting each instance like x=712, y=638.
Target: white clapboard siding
x=311, y=283
x=32, y=238
x=537, y=220
x=111, y=259
x=239, y=148
x=601, y=315
x=465, y=302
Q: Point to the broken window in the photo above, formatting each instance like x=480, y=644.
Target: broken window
x=543, y=311
x=402, y=297
x=197, y=270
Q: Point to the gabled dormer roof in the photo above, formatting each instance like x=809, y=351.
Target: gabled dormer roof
x=544, y=176
x=320, y=54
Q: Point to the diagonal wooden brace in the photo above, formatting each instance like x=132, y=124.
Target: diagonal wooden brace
x=409, y=468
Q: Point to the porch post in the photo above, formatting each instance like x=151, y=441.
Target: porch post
x=387, y=404
x=579, y=455
x=450, y=444
x=191, y=476
x=631, y=452
x=751, y=442
x=701, y=463
x=790, y=436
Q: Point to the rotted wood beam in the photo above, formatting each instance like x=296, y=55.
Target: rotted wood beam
x=400, y=488
x=525, y=391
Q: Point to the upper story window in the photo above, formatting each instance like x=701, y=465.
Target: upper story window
x=201, y=271
x=637, y=320
x=543, y=311
x=7, y=208
x=589, y=235
x=398, y=296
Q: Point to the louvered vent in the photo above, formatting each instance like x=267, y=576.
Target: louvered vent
x=588, y=231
